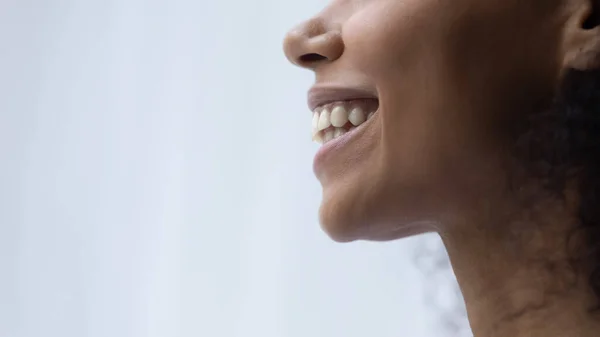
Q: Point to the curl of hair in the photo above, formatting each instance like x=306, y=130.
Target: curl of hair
x=563, y=142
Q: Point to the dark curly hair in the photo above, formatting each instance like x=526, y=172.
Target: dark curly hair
x=563, y=142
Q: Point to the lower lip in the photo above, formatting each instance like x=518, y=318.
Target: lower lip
x=328, y=149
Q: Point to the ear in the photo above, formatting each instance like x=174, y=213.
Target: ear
x=582, y=36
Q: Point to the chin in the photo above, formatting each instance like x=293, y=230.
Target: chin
x=373, y=212
x=338, y=217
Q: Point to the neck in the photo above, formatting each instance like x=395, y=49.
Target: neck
x=514, y=270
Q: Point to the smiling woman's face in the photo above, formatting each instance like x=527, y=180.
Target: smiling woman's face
x=445, y=79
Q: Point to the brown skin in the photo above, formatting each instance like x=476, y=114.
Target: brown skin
x=450, y=77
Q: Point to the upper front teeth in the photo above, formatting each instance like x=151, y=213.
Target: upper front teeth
x=357, y=116
x=339, y=116
x=324, y=120
x=333, y=121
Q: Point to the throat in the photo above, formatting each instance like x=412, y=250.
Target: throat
x=517, y=275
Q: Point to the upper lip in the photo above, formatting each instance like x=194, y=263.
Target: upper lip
x=321, y=95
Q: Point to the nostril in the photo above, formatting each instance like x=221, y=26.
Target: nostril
x=593, y=20
x=312, y=58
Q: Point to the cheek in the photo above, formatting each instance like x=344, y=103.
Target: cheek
x=391, y=36
x=411, y=147
x=428, y=141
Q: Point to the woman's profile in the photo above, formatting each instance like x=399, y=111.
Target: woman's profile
x=475, y=119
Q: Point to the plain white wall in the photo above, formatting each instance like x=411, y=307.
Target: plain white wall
x=155, y=180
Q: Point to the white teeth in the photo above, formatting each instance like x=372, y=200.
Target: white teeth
x=339, y=116
x=317, y=137
x=324, y=121
x=333, y=133
x=328, y=136
x=357, y=116
x=338, y=132
x=328, y=124
x=323, y=137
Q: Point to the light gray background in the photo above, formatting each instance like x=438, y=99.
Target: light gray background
x=155, y=180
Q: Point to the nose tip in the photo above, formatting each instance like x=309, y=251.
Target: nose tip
x=311, y=44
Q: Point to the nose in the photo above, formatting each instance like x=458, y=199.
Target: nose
x=312, y=43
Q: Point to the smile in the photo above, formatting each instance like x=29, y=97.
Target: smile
x=333, y=120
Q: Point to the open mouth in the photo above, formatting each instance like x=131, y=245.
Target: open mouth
x=335, y=119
